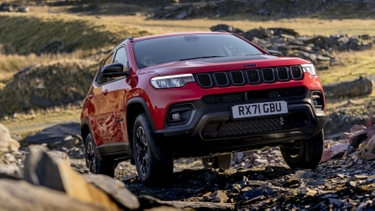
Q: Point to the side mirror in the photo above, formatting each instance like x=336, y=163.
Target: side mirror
x=114, y=70
x=274, y=53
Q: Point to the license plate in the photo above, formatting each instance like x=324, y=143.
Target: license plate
x=259, y=109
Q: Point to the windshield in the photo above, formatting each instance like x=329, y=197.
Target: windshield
x=189, y=47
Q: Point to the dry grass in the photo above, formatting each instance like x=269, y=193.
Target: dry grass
x=350, y=65
x=304, y=26
x=11, y=64
x=24, y=124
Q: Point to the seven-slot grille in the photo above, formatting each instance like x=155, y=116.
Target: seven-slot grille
x=251, y=76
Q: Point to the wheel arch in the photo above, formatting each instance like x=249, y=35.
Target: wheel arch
x=85, y=131
x=134, y=107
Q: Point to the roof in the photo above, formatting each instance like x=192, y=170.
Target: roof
x=174, y=34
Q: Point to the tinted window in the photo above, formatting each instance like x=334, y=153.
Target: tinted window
x=185, y=47
x=107, y=61
x=121, y=57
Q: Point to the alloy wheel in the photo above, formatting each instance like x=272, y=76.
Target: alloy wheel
x=91, y=160
x=142, y=151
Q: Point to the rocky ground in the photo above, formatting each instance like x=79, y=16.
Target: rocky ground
x=260, y=179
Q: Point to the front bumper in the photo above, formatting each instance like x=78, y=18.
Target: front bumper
x=211, y=129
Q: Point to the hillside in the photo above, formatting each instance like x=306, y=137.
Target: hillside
x=78, y=31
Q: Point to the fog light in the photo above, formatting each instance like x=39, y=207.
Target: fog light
x=176, y=116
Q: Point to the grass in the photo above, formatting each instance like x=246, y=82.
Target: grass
x=11, y=64
x=350, y=65
x=27, y=33
x=25, y=124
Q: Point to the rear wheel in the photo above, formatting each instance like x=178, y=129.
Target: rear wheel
x=219, y=161
x=93, y=163
x=306, y=154
x=154, y=164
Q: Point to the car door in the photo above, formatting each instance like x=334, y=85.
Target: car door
x=101, y=111
x=116, y=89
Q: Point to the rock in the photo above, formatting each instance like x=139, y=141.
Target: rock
x=357, y=128
x=181, y=15
x=7, y=143
x=368, y=152
x=356, y=88
x=10, y=171
x=222, y=27
x=148, y=202
x=115, y=189
x=21, y=195
x=217, y=196
x=60, y=156
x=42, y=169
x=327, y=155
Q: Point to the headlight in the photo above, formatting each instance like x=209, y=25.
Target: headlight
x=172, y=81
x=309, y=68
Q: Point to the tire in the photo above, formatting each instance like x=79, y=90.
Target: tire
x=93, y=162
x=154, y=164
x=220, y=161
x=307, y=154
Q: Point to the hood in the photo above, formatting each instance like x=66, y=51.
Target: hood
x=222, y=64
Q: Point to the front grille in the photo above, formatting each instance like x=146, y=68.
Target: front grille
x=282, y=73
x=204, y=80
x=250, y=76
x=297, y=72
x=237, y=77
x=253, y=76
x=221, y=79
x=254, y=95
x=253, y=126
x=268, y=75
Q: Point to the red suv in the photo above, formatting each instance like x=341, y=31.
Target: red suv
x=207, y=95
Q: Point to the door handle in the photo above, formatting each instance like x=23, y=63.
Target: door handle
x=105, y=92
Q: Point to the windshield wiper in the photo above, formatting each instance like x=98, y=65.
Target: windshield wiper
x=200, y=57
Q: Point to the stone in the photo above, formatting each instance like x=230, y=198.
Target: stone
x=217, y=196
x=356, y=88
x=7, y=143
x=60, y=156
x=43, y=169
x=115, y=189
x=150, y=203
x=10, y=171
x=21, y=195
x=368, y=152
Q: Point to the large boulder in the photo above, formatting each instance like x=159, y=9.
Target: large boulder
x=42, y=168
x=21, y=195
x=7, y=143
x=356, y=88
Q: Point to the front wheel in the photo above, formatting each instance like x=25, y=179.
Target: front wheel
x=154, y=164
x=306, y=154
x=219, y=161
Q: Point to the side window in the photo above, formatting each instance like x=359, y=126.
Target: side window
x=100, y=79
x=121, y=57
x=108, y=60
